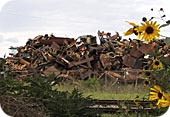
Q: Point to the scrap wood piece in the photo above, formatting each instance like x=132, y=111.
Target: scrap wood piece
x=50, y=70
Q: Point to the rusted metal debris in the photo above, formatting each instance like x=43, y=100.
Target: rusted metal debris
x=81, y=58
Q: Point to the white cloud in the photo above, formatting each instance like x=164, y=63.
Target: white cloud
x=3, y=2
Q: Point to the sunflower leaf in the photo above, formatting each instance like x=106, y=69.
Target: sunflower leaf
x=165, y=60
x=168, y=22
x=167, y=41
x=163, y=25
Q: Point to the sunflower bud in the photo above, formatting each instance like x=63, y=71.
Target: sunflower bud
x=144, y=19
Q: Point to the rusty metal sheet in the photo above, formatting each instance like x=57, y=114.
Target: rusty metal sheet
x=135, y=53
x=22, y=61
x=58, y=40
x=114, y=74
x=129, y=61
x=55, y=46
x=146, y=48
x=51, y=70
x=132, y=62
x=105, y=60
x=86, y=74
x=130, y=73
x=75, y=63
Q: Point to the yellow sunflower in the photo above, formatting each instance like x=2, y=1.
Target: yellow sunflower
x=147, y=73
x=164, y=102
x=156, y=64
x=149, y=31
x=146, y=82
x=156, y=93
x=131, y=30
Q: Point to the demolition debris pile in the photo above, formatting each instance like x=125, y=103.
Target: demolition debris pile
x=82, y=58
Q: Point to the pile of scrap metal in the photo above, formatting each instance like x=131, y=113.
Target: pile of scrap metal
x=80, y=58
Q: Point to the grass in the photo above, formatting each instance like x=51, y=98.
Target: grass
x=99, y=91
x=108, y=95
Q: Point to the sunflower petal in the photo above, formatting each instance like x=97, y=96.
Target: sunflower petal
x=131, y=23
x=163, y=103
x=151, y=98
x=153, y=93
x=156, y=88
x=129, y=32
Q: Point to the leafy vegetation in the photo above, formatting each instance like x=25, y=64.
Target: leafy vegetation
x=39, y=89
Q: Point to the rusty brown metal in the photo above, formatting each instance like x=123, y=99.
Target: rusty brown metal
x=51, y=70
x=82, y=58
x=75, y=63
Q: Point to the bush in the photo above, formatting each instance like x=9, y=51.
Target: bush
x=39, y=91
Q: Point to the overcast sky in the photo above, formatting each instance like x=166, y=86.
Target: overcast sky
x=23, y=19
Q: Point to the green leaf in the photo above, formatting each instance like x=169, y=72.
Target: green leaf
x=168, y=22
x=167, y=41
x=163, y=25
x=165, y=60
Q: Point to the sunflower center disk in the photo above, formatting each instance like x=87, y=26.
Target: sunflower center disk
x=147, y=73
x=149, y=30
x=160, y=95
x=146, y=82
x=157, y=63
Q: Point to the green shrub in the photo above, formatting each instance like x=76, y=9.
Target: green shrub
x=2, y=62
x=56, y=103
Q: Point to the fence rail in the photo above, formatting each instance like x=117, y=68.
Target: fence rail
x=130, y=106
